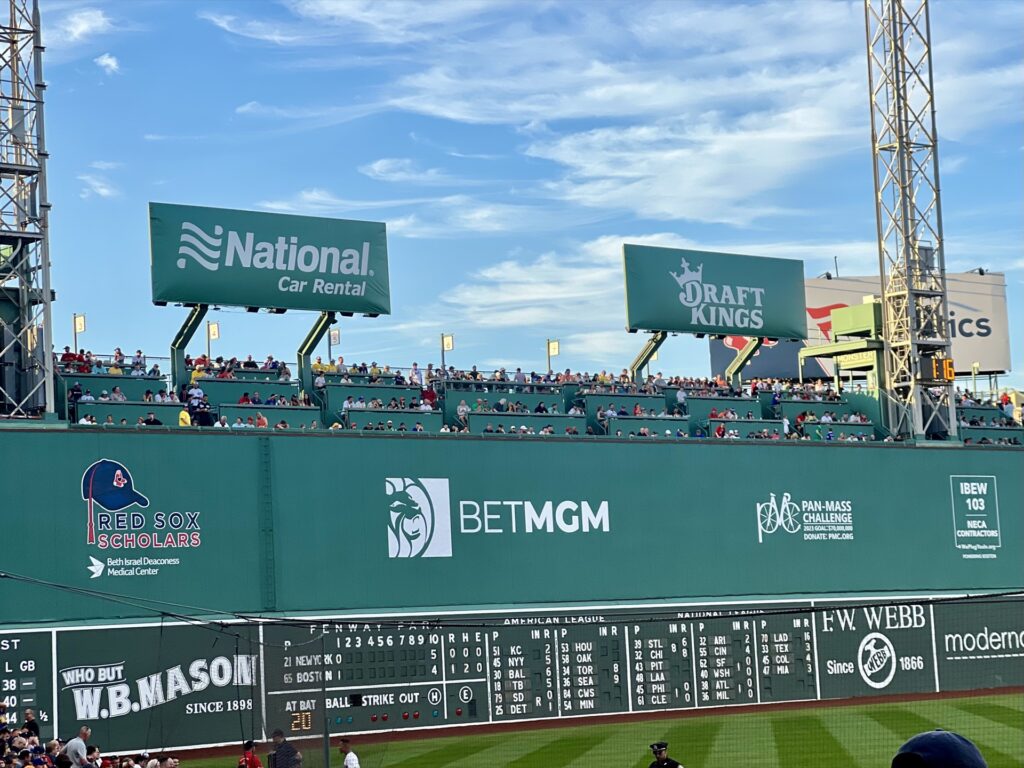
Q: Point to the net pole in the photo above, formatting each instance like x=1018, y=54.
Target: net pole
x=323, y=701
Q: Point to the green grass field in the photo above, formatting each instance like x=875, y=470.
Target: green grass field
x=839, y=737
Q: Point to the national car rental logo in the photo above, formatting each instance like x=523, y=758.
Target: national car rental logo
x=204, y=249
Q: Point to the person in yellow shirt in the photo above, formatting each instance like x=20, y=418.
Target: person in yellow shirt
x=318, y=366
x=115, y=370
x=184, y=420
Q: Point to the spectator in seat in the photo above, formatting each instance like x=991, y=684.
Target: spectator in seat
x=244, y=399
x=184, y=418
x=68, y=358
x=320, y=382
x=87, y=397
x=97, y=367
x=221, y=423
x=118, y=396
x=152, y=421
x=261, y=421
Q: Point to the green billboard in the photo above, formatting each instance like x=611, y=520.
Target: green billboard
x=250, y=259
x=672, y=289
x=260, y=523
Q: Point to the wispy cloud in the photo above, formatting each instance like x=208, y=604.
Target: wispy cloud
x=404, y=170
x=320, y=201
x=108, y=63
x=97, y=186
x=79, y=26
x=105, y=165
x=265, y=31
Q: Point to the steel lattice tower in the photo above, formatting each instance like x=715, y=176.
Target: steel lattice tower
x=909, y=217
x=26, y=359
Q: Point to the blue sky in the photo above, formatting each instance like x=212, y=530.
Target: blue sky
x=511, y=147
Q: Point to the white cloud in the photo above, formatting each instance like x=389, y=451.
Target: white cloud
x=105, y=165
x=322, y=202
x=394, y=20
x=108, y=63
x=79, y=26
x=97, y=186
x=404, y=170
x=265, y=31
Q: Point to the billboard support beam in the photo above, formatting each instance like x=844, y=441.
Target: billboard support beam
x=651, y=346
x=179, y=373
x=316, y=334
x=734, y=372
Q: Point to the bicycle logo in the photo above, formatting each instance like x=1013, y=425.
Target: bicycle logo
x=771, y=516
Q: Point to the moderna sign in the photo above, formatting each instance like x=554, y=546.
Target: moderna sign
x=244, y=258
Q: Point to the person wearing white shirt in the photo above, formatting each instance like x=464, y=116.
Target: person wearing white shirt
x=351, y=761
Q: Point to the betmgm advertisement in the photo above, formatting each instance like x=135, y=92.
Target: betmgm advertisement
x=248, y=259
x=672, y=289
x=978, y=327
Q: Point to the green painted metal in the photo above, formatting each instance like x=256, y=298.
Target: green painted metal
x=734, y=371
x=229, y=391
x=643, y=358
x=320, y=327
x=672, y=289
x=179, y=371
x=479, y=421
x=249, y=259
x=164, y=412
x=294, y=416
x=431, y=420
x=324, y=500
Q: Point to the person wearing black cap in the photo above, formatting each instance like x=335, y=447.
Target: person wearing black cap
x=938, y=749
x=661, y=758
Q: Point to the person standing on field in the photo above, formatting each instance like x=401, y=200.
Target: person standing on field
x=661, y=758
x=351, y=761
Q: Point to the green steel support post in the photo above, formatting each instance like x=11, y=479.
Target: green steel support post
x=316, y=333
x=179, y=374
x=268, y=569
x=646, y=353
x=734, y=373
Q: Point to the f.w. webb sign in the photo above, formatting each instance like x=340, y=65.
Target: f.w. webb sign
x=249, y=259
x=671, y=289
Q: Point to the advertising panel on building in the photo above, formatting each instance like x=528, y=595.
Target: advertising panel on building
x=250, y=259
x=672, y=289
x=978, y=326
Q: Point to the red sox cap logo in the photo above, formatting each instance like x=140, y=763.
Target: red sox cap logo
x=109, y=484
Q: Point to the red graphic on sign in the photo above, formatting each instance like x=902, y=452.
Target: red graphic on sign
x=823, y=317
x=739, y=342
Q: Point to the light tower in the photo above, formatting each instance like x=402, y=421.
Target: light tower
x=911, y=255
x=26, y=360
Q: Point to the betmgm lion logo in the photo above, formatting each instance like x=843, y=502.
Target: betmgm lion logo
x=419, y=517
x=771, y=516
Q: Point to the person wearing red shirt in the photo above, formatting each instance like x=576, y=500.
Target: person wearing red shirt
x=249, y=758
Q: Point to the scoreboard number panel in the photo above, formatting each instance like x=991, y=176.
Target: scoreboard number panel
x=26, y=676
x=185, y=685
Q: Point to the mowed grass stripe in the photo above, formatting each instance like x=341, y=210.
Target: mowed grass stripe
x=905, y=724
x=802, y=737
x=1014, y=718
x=861, y=736
x=742, y=740
x=689, y=741
x=446, y=754
x=561, y=750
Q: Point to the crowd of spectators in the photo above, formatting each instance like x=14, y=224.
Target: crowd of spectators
x=434, y=382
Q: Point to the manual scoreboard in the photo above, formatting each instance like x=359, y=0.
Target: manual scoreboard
x=191, y=685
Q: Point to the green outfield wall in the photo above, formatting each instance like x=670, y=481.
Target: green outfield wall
x=285, y=523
